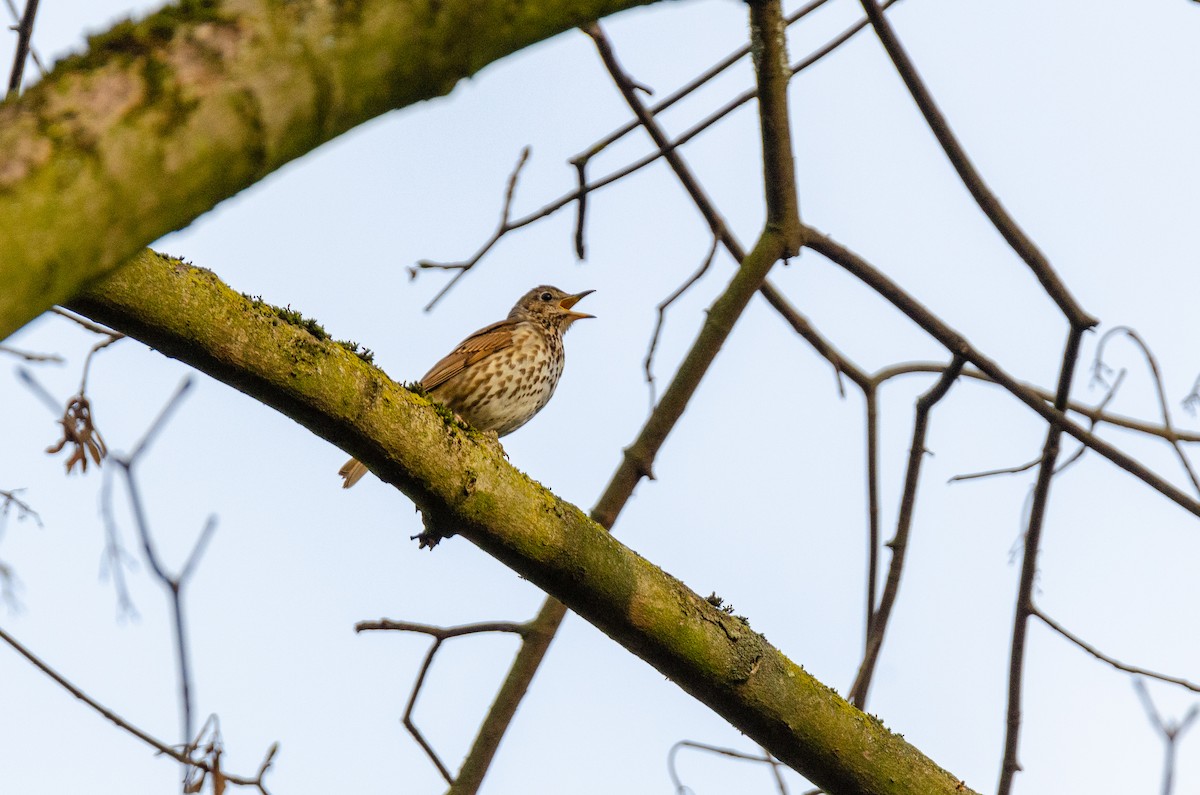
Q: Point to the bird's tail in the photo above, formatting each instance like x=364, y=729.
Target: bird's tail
x=352, y=471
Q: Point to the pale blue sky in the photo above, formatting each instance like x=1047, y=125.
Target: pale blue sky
x=1082, y=116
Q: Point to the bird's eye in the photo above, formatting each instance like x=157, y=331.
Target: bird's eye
x=546, y=296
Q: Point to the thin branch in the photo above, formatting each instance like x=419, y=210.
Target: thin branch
x=24, y=34
x=412, y=703
x=83, y=322
x=692, y=85
x=987, y=201
x=39, y=391
x=1094, y=421
x=10, y=500
x=160, y=421
x=442, y=633
x=991, y=473
x=1037, y=515
x=662, y=313
x=871, y=407
x=29, y=356
x=504, y=227
x=764, y=758
x=115, y=558
x=158, y=745
x=33, y=54
x=9, y=582
x=87, y=362
x=1115, y=663
x=439, y=635
x=1099, y=370
x=1169, y=731
x=899, y=543
x=1097, y=415
x=173, y=584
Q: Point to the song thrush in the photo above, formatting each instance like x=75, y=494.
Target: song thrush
x=503, y=374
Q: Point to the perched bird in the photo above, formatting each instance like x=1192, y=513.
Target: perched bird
x=503, y=374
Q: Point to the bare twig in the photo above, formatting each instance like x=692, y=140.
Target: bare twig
x=871, y=407
x=1100, y=370
x=9, y=500
x=87, y=362
x=115, y=558
x=763, y=758
x=84, y=322
x=692, y=85
x=899, y=543
x=442, y=633
x=991, y=473
x=161, y=420
x=1097, y=414
x=971, y=178
x=504, y=227
x=29, y=356
x=662, y=313
x=33, y=54
x=439, y=634
x=1093, y=421
x=173, y=584
x=24, y=34
x=9, y=583
x=1115, y=663
x=1169, y=731
x=158, y=745
x=412, y=703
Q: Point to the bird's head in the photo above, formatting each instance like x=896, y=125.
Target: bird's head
x=550, y=306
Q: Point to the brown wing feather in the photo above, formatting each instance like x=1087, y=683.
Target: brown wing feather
x=475, y=348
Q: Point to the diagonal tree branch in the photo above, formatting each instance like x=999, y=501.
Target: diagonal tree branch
x=1114, y=662
x=971, y=178
x=202, y=100
x=957, y=343
x=187, y=313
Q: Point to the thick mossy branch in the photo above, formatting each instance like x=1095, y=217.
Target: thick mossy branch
x=188, y=314
x=163, y=118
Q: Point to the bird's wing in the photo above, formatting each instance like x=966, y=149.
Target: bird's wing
x=475, y=348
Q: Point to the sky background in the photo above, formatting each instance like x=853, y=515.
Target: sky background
x=1081, y=115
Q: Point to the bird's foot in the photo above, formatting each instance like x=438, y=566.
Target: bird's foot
x=435, y=530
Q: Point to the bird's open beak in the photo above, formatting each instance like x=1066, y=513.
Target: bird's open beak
x=571, y=300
